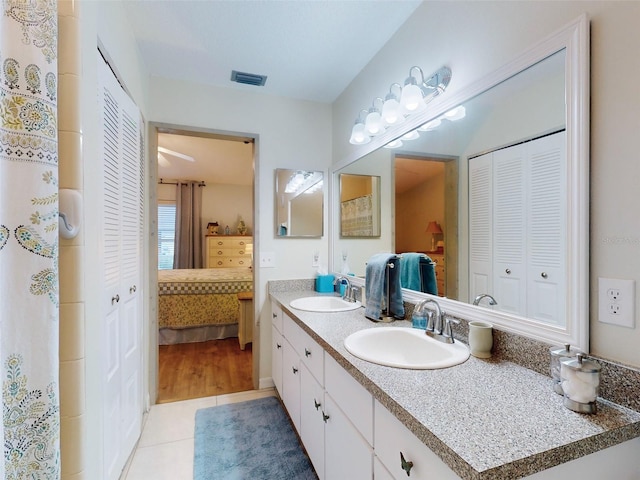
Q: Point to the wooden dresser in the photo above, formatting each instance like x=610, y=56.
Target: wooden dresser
x=227, y=251
x=438, y=257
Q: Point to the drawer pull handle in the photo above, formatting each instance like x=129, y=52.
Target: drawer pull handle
x=274, y=315
x=307, y=352
x=508, y=271
x=544, y=275
x=325, y=417
x=278, y=346
x=132, y=289
x=406, y=466
x=115, y=299
x=295, y=370
x=317, y=405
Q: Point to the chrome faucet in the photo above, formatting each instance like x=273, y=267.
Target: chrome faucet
x=349, y=291
x=438, y=325
x=492, y=301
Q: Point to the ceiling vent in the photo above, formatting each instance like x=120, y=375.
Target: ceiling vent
x=248, y=78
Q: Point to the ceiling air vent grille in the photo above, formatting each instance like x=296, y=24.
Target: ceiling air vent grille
x=248, y=78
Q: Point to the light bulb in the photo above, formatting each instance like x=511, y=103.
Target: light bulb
x=391, y=113
x=358, y=135
x=411, y=97
x=394, y=144
x=456, y=113
x=373, y=123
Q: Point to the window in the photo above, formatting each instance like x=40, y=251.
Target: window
x=166, y=235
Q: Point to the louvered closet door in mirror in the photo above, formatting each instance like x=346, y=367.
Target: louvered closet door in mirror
x=122, y=207
x=518, y=225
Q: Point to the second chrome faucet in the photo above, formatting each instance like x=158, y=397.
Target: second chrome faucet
x=438, y=324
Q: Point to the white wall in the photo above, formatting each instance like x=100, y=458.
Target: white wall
x=290, y=134
x=476, y=38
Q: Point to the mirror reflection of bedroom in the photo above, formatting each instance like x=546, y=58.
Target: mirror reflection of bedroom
x=205, y=274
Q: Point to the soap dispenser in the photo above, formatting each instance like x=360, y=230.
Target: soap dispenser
x=420, y=316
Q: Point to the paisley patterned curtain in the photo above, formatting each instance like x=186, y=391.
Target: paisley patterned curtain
x=29, y=240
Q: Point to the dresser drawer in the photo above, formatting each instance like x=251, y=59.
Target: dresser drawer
x=220, y=262
x=224, y=242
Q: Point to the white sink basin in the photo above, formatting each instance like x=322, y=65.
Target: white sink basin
x=323, y=304
x=404, y=348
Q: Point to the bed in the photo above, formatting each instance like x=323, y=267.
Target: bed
x=200, y=305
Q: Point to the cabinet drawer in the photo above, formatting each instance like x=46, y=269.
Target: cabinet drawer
x=351, y=397
x=276, y=316
x=219, y=262
x=236, y=243
x=392, y=438
x=311, y=354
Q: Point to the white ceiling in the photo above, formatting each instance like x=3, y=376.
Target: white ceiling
x=308, y=49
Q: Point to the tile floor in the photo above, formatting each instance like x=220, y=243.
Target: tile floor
x=165, y=448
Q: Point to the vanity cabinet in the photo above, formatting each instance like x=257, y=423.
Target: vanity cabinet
x=393, y=441
x=332, y=412
x=227, y=251
x=438, y=259
x=517, y=224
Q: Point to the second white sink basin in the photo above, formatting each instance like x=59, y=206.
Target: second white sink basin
x=404, y=348
x=323, y=304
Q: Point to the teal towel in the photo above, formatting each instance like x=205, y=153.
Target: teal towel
x=428, y=276
x=410, y=271
x=376, y=287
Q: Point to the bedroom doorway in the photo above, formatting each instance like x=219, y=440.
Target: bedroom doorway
x=200, y=348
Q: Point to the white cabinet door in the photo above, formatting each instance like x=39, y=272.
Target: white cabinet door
x=291, y=382
x=402, y=453
x=121, y=270
x=277, y=343
x=347, y=453
x=352, y=398
x=311, y=419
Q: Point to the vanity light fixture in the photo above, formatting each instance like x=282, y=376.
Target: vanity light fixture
x=397, y=143
x=455, y=113
x=412, y=98
x=431, y=125
x=412, y=135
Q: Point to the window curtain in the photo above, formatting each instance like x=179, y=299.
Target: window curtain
x=29, y=240
x=188, y=244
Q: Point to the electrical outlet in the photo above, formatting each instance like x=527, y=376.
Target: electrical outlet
x=616, y=301
x=267, y=260
x=315, y=262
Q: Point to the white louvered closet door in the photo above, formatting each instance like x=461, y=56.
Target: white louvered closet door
x=547, y=220
x=122, y=207
x=480, y=226
x=509, y=229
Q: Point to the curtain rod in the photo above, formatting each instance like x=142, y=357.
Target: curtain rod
x=162, y=182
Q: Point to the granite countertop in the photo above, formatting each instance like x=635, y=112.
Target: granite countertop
x=486, y=419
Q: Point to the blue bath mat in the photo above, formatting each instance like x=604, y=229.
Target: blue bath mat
x=248, y=440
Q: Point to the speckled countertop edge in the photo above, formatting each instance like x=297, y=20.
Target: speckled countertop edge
x=547, y=434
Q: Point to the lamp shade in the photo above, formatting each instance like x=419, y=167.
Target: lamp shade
x=433, y=228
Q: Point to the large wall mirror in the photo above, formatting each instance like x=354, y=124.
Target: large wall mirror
x=510, y=215
x=299, y=203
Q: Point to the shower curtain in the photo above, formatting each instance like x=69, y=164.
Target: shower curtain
x=29, y=240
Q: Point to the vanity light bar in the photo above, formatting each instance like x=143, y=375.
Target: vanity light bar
x=412, y=98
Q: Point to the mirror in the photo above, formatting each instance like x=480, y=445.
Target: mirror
x=299, y=203
x=543, y=92
x=359, y=206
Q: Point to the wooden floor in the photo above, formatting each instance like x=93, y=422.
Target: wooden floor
x=193, y=370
